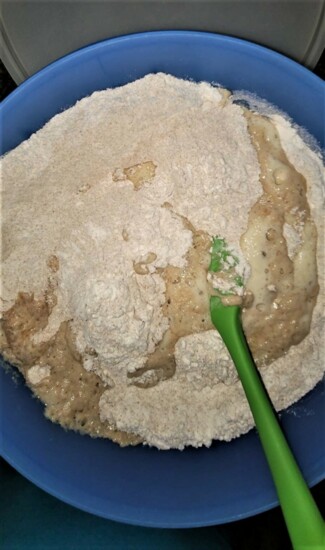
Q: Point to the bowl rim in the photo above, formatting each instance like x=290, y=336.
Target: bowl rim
x=148, y=35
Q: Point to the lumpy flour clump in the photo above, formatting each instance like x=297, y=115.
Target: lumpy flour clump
x=108, y=217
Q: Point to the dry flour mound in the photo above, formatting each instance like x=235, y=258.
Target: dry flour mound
x=104, y=187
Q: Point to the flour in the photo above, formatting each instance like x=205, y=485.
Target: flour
x=37, y=374
x=292, y=238
x=70, y=194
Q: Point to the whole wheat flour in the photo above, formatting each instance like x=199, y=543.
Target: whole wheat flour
x=101, y=208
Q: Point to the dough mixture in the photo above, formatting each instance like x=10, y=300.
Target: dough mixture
x=109, y=216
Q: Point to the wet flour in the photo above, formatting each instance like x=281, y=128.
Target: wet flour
x=103, y=188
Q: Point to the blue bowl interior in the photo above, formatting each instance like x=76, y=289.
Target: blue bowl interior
x=140, y=485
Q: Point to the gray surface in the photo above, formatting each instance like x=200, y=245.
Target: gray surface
x=35, y=33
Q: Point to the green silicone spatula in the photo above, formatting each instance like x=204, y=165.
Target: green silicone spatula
x=303, y=519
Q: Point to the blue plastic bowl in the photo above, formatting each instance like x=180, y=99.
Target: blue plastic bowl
x=140, y=485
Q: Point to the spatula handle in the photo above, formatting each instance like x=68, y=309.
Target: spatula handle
x=303, y=519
